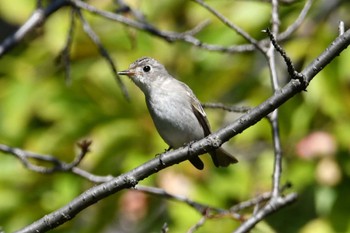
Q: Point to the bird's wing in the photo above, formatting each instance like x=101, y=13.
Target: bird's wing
x=199, y=113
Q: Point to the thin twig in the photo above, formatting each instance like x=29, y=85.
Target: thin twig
x=186, y=36
x=198, y=28
x=56, y=164
x=104, y=53
x=201, y=208
x=274, y=121
x=237, y=29
x=296, y=24
x=40, y=15
x=276, y=139
x=256, y=201
x=293, y=73
x=252, y=202
x=125, y=8
x=270, y=208
x=91, y=177
x=64, y=55
x=200, y=223
x=275, y=17
x=229, y=108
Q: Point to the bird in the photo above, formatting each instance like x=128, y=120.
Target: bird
x=176, y=112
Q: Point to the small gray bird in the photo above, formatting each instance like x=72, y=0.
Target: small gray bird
x=175, y=110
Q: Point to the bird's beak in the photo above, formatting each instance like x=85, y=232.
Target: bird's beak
x=126, y=72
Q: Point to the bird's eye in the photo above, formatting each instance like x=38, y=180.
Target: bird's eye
x=146, y=68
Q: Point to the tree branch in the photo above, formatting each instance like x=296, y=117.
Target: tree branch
x=270, y=208
x=234, y=27
x=293, y=27
x=64, y=56
x=273, y=117
x=36, y=19
x=56, y=165
x=104, y=53
x=231, y=108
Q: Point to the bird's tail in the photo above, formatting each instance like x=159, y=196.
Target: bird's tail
x=222, y=158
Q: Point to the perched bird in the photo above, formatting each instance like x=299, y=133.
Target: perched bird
x=175, y=110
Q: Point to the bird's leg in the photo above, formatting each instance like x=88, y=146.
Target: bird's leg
x=159, y=155
x=189, y=144
x=166, y=150
x=196, y=161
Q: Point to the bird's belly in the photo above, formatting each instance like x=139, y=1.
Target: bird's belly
x=176, y=125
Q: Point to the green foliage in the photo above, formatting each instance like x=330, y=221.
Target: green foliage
x=39, y=112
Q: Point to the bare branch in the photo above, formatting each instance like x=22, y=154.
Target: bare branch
x=296, y=24
x=40, y=15
x=293, y=73
x=64, y=55
x=104, y=53
x=186, y=36
x=231, y=108
x=201, y=208
x=273, y=117
x=237, y=29
x=56, y=165
x=277, y=168
x=250, y=203
x=125, y=8
x=271, y=207
x=198, y=224
x=275, y=17
x=91, y=177
x=35, y=20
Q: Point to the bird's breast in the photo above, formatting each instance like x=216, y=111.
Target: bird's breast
x=174, y=119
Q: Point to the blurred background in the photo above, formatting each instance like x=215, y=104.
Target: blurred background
x=41, y=111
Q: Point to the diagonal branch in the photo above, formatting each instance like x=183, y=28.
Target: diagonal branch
x=201, y=208
x=237, y=29
x=296, y=24
x=35, y=20
x=269, y=209
x=104, y=53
